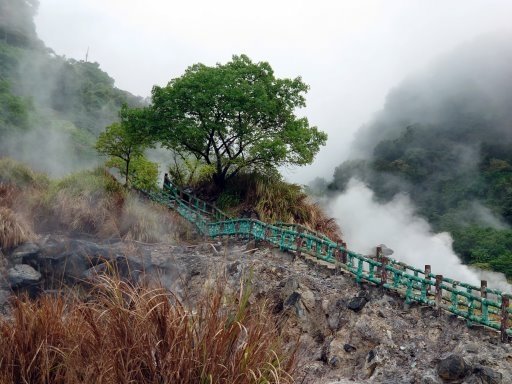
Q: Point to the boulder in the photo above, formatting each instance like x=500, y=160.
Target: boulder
x=22, y=275
x=24, y=253
x=485, y=375
x=357, y=303
x=453, y=369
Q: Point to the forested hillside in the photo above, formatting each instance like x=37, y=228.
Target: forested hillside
x=444, y=137
x=50, y=105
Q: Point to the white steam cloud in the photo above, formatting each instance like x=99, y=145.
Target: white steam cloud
x=366, y=223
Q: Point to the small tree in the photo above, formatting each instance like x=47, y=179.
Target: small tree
x=234, y=117
x=119, y=143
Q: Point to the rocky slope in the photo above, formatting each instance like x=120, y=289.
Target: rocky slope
x=347, y=333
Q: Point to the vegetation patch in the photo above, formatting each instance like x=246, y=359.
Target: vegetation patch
x=124, y=334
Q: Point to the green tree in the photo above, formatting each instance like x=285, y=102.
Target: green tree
x=234, y=117
x=119, y=143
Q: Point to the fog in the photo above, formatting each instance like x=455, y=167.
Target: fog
x=367, y=223
x=350, y=52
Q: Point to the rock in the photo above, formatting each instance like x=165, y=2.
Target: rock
x=292, y=299
x=453, y=369
x=472, y=348
x=234, y=268
x=349, y=348
x=335, y=362
x=485, y=375
x=24, y=253
x=357, y=303
x=22, y=275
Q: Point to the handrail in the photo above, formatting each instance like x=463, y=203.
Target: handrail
x=489, y=307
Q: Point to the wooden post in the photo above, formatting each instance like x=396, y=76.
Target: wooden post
x=505, y=301
x=383, y=271
x=439, y=293
x=298, y=242
x=378, y=258
x=428, y=271
x=344, y=253
x=483, y=289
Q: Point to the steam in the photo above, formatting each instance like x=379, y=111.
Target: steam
x=366, y=223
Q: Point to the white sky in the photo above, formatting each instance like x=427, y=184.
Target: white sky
x=351, y=52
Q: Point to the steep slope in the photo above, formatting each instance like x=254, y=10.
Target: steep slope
x=444, y=137
x=51, y=107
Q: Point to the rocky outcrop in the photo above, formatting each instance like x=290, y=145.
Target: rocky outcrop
x=348, y=332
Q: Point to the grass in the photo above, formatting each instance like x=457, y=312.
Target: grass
x=13, y=230
x=127, y=334
x=274, y=200
x=89, y=202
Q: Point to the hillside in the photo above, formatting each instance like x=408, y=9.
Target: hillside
x=444, y=138
x=51, y=107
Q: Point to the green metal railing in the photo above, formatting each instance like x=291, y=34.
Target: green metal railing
x=480, y=305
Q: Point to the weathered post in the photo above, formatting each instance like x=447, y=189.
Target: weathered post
x=344, y=253
x=383, y=271
x=298, y=243
x=378, y=258
x=483, y=289
x=428, y=271
x=505, y=301
x=439, y=293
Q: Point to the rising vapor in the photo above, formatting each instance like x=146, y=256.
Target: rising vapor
x=366, y=223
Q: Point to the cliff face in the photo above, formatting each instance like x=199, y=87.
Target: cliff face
x=346, y=331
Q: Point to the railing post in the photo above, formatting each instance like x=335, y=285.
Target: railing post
x=439, y=293
x=505, y=301
x=483, y=289
x=298, y=242
x=383, y=271
x=428, y=271
x=344, y=253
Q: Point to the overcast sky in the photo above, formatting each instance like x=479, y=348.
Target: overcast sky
x=351, y=52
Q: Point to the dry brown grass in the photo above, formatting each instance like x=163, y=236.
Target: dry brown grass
x=276, y=200
x=125, y=334
x=13, y=229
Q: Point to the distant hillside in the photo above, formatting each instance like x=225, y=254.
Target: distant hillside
x=445, y=138
x=51, y=108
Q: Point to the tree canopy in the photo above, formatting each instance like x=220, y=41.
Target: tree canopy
x=234, y=117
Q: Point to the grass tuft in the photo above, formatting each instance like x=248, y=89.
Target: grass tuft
x=125, y=334
x=13, y=230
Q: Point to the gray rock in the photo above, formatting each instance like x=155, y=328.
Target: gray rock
x=349, y=348
x=24, y=253
x=453, y=369
x=22, y=275
x=335, y=362
x=357, y=303
x=485, y=375
x=472, y=348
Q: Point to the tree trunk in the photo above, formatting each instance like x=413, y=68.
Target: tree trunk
x=220, y=180
x=126, y=175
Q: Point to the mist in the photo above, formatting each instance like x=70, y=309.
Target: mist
x=367, y=223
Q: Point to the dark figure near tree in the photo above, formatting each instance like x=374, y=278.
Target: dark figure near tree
x=167, y=182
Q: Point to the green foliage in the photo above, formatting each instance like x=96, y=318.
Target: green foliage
x=445, y=140
x=90, y=182
x=14, y=110
x=118, y=143
x=235, y=117
x=142, y=174
x=189, y=171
